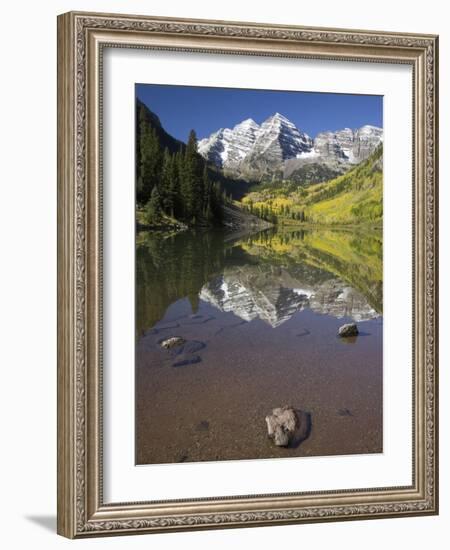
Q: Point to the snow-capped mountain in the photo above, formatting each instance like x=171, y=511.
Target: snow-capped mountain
x=278, y=138
x=366, y=141
x=251, y=150
x=348, y=145
x=275, y=140
x=229, y=147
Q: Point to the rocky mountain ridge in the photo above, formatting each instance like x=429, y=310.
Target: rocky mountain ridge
x=277, y=145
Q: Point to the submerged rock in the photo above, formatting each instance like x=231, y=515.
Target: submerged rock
x=344, y=412
x=193, y=346
x=187, y=347
x=350, y=329
x=202, y=426
x=288, y=426
x=184, y=360
x=172, y=342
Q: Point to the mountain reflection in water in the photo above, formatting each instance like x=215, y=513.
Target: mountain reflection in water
x=269, y=275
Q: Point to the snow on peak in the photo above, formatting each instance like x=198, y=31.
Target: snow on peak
x=247, y=123
x=370, y=128
x=278, y=139
x=279, y=116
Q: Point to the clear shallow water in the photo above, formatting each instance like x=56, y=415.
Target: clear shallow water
x=260, y=314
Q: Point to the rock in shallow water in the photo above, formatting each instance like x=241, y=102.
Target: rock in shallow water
x=192, y=346
x=184, y=360
x=350, y=329
x=172, y=342
x=288, y=426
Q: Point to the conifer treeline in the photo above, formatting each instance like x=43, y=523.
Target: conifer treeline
x=274, y=215
x=175, y=184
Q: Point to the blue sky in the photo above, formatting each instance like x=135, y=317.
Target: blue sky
x=182, y=108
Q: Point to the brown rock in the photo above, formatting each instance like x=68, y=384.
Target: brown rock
x=350, y=329
x=172, y=342
x=288, y=427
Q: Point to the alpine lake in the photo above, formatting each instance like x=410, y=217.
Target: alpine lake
x=259, y=313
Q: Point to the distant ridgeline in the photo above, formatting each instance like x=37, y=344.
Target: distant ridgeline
x=272, y=171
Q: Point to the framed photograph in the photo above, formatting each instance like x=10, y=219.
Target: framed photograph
x=247, y=288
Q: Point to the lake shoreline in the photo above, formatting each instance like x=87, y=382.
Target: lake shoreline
x=264, y=225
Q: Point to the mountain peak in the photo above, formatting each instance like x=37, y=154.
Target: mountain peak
x=370, y=131
x=250, y=122
x=370, y=127
x=251, y=150
x=279, y=117
x=247, y=123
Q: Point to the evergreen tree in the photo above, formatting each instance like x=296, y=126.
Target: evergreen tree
x=153, y=209
x=206, y=187
x=139, y=188
x=192, y=182
x=177, y=184
x=208, y=199
x=180, y=203
x=141, y=128
x=164, y=182
x=151, y=160
x=173, y=190
x=169, y=184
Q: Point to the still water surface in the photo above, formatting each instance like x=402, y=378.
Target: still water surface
x=260, y=314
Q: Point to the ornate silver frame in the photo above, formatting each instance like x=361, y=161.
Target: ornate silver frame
x=81, y=39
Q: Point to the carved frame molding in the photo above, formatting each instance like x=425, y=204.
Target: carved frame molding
x=81, y=39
